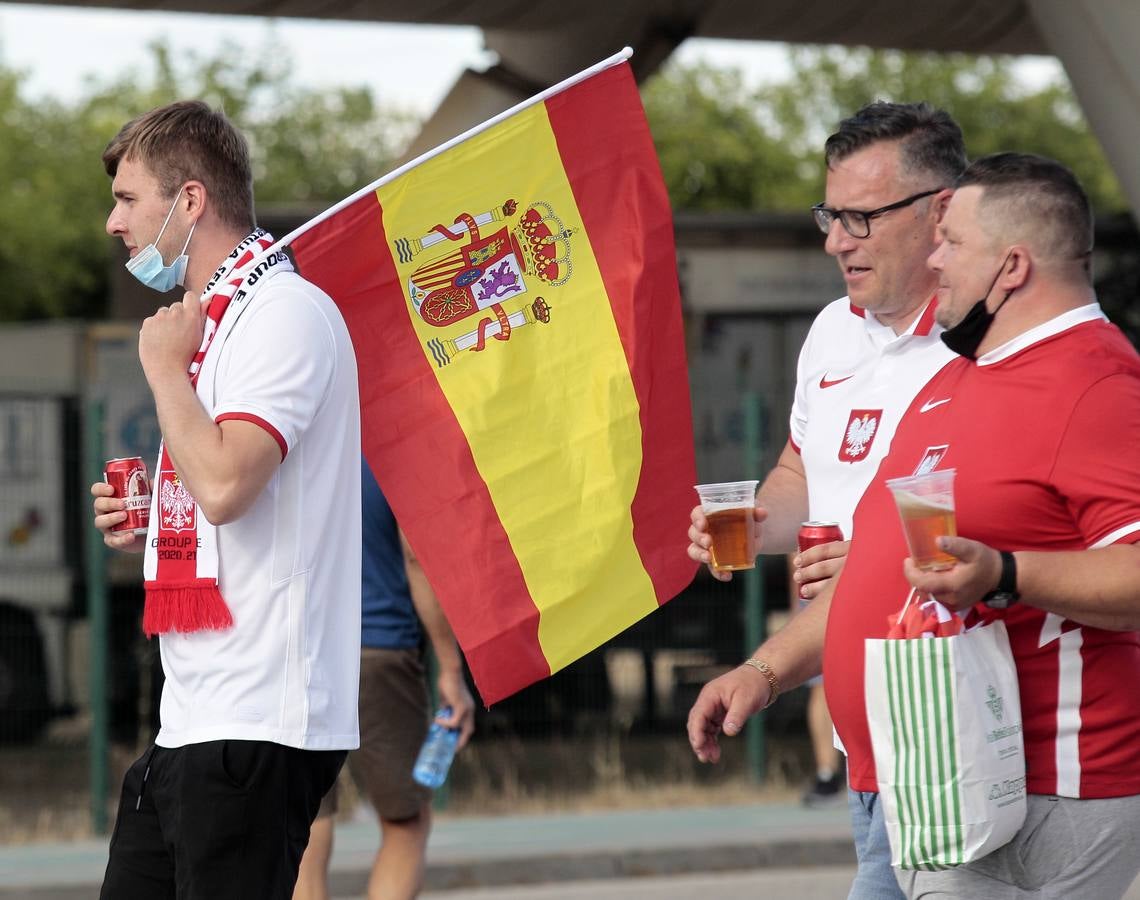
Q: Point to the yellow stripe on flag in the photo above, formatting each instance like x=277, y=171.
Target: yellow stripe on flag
x=561, y=455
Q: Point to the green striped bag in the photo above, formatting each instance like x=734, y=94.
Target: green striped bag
x=945, y=720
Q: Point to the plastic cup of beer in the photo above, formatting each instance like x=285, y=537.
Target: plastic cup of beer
x=926, y=506
x=732, y=525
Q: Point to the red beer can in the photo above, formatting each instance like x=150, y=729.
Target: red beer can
x=814, y=533
x=129, y=479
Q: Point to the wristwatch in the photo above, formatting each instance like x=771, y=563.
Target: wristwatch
x=1005, y=594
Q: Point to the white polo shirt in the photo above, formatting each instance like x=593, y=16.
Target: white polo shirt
x=288, y=669
x=854, y=380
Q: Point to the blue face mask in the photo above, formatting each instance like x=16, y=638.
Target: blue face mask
x=147, y=265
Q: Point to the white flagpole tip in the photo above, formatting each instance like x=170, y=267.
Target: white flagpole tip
x=626, y=52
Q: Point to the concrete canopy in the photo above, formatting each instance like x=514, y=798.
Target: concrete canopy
x=983, y=26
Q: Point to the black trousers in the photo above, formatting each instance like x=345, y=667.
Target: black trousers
x=223, y=819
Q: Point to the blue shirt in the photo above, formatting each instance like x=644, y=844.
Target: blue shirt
x=388, y=618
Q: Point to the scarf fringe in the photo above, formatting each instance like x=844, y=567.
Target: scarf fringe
x=185, y=607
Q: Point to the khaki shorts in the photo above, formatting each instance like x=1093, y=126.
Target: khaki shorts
x=329, y=802
x=395, y=710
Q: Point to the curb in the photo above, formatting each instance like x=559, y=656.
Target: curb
x=524, y=869
x=518, y=850
x=615, y=864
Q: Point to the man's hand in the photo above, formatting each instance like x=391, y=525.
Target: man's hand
x=701, y=541
x=814, y=566
x=109, y=512
x=975, y=574
x=724, y=704
x=453, y=692
x=169, y=339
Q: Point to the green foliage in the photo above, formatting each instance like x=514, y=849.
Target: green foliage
x=308, y=146
x=53, y=256
x=772, y=150
x=714, y=152
x=722, y=144
x=996, y=110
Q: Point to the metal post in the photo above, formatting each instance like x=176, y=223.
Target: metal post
x=754, y=619
x=97, y=616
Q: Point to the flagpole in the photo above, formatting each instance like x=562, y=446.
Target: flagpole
x=619, y=57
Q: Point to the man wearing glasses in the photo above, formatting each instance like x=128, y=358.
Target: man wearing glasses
x=889, y=168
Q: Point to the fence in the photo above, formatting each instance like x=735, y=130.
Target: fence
x=611, y=722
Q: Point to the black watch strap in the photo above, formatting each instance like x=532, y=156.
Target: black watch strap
x=1005, y=594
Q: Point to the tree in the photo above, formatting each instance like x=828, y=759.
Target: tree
x=996, y=110
x=307, y=146
x=724, y=146
x=52, y=206
x=714, y=152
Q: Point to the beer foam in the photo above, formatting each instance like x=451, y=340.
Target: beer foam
x=910, y=502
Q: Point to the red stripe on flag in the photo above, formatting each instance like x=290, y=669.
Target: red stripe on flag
x=608, y=154
x=349, y=258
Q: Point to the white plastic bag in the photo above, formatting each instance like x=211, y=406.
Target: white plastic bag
x=945, y=721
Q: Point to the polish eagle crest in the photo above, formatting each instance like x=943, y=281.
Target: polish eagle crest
x=175, y=503
x=860, y=431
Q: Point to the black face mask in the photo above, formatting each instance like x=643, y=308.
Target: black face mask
x=966, y=337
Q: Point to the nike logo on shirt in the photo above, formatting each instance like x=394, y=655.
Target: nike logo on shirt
x=824, y=383
x=930, y=404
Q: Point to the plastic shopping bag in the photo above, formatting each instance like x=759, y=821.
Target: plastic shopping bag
x=945, y=721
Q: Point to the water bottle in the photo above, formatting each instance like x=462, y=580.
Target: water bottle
x=437, y=752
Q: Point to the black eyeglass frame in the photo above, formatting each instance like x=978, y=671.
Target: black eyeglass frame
x=825, y=215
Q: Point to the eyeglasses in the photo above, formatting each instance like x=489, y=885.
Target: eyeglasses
x=857, y=222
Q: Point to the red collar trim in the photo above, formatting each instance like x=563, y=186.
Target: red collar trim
x=921, y=328
x=926, y=320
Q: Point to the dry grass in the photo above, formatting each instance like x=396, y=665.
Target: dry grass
x=610, y=772
x=45, y=795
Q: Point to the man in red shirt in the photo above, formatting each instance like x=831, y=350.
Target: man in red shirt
x=1041, y=419
x=1043, y=429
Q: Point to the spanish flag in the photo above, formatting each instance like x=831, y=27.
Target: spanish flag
x=514, y=306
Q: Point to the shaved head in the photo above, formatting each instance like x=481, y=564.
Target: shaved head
x=1031, y=200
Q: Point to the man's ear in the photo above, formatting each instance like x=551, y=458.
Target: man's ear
x=1018, y=265
x=195, y=198
x=941, y=202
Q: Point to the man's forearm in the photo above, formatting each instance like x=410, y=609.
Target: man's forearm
x=795, y=652
x=192, y=438
x=1099, y=588
x=784, y=495
x=435, y=624
x=439, y=632
x=223, y=468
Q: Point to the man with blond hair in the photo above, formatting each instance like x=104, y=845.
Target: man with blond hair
x=252, y=560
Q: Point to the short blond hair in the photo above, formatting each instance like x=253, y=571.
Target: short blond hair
x=188, y=141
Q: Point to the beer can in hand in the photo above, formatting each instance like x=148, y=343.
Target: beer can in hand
x=130, y=481
x=812, y=534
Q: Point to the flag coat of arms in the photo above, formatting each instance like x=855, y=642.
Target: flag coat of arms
x=514, y=307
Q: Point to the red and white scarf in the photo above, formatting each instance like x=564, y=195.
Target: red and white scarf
x=180, y=565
